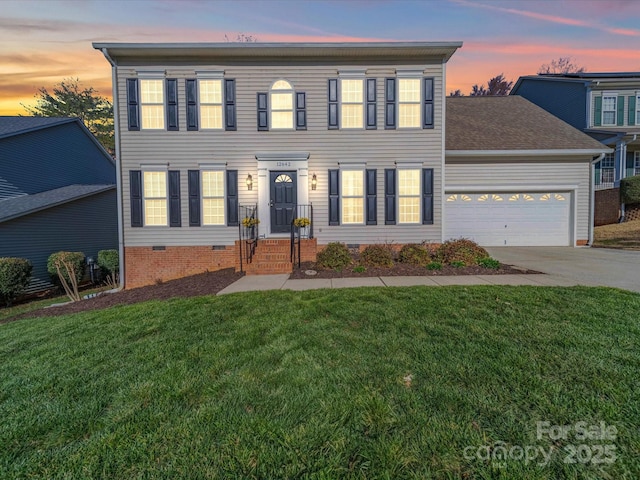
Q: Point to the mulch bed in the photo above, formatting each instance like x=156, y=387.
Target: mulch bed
x=402, y=270
x=208, y=283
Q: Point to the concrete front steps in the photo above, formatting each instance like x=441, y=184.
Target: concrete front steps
x=272, y=256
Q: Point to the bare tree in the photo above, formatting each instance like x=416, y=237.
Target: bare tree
x=560, y=65
x=242, y=38
x=478, y=91
x=496, y=86
x=456, y=93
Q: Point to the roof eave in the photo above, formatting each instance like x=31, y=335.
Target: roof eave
x=527, y=153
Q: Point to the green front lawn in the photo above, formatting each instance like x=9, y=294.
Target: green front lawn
x=353, y=383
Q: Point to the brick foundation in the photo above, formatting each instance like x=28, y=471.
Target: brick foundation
x=146, y=266
x=607, y=206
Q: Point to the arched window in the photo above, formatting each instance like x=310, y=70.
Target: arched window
x=281, y=105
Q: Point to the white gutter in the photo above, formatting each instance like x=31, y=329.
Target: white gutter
x=592, y=196
x=116, y=126
x=525, y=153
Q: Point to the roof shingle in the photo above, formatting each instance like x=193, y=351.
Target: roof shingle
x=17, y=125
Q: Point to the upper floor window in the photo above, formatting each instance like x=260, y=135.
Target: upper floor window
x=409, y=196
x=352, y=193
x=409, y=103
x=152, y=104
x=281, y=105
x=155, y=197
x=352, y=103
x=210, y=104
x=609, y=109
x=213, y=197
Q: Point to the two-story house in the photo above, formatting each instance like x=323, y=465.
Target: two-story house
x=212, y=137
x=606, y=106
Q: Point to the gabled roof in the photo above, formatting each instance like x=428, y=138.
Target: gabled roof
x=510, y=125
x=15, y=207
x=10, y=126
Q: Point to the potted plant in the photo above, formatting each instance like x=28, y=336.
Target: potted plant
x=250, y=222
x=302, y=224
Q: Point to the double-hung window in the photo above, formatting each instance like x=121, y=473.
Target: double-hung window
x=352, y=196
x=281, y=105
x=210, y=104
x=607, y=168
x=351, y=103
x=409, y=195
x=409, y=103
x=213, y=197
x=152, y=104
x=609, y=103
x=155, y=197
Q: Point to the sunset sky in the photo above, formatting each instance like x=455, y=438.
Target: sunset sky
x=43, y=42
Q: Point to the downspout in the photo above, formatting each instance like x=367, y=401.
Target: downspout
x=116, y=126
x=592, y=196
x=443, y=121
x=623, y=172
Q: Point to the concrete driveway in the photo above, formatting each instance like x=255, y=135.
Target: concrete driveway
x=583, y=265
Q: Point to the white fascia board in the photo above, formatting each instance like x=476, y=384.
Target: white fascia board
x=487, y=187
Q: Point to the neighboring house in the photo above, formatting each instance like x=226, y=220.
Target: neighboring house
x=606, y=106
x=57, y=192
x=208, y=134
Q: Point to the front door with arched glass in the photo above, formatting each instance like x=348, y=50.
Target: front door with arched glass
x=283, y=200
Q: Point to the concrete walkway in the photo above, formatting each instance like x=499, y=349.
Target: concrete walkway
x=282, y=282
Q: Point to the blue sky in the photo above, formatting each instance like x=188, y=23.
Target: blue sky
x=42, y=42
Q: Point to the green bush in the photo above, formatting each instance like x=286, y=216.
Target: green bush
x=489, y=262
x=109, y=262
x=377, y=256
x=458, y=264
x=359, y=269
x=630, y=190
x=335, y=256
x=15, y=274
x=434, y=266
x=414, y=254
x=69, y=268
x=461, y=250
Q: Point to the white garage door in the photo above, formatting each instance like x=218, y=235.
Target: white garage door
x=518, y=219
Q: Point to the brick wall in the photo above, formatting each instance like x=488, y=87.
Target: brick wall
x=607, y=206
x=146, y=266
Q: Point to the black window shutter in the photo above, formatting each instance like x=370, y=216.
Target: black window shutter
x=263, y=111
x=135, y=192
x=372, y=123
x=372, y=199
x=334, y=197
x=390, y=196
x=175, y=215
x=230, y=104
x=333, y=104
x=232, y=198
x=172, y=103
x=191, y=86
x=194, y=198
x=427, y=196
x=427, y=114
x=390, y=103
x=301, y=111
x=132, y=104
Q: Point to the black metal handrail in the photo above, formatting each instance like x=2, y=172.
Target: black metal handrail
x=295, y=250
x=248, y=229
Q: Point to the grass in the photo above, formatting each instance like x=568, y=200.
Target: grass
x=618, y=235
x=351, y=383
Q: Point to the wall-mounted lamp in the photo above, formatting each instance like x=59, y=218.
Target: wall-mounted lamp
x=249, y=182
x=314, y=182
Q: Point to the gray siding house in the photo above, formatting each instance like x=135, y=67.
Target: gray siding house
x=57, y=192
x=352, y=136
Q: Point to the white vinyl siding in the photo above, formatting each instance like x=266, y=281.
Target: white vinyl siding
x=351, y=103
x=213, y=197
x=352, y=196
x=210, y=104
x=155, y=198
x=409, y=102
x=408, y=196
x=152, y=104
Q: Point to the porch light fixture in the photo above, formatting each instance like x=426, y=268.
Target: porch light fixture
x=249, y=182
x=314, y=182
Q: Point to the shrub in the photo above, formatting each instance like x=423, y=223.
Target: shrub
x=109, y=262
x=630, y=190
x=458, y=264
x=359, y=269
x=488, y=262
x=69, y=268
x=414, y=254
x=431, y=248
x=15, y=274
x=434, y=266
x=335, y=256
x=377, y=256
x=461, y=250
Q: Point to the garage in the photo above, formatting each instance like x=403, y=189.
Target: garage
x=514, y=219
